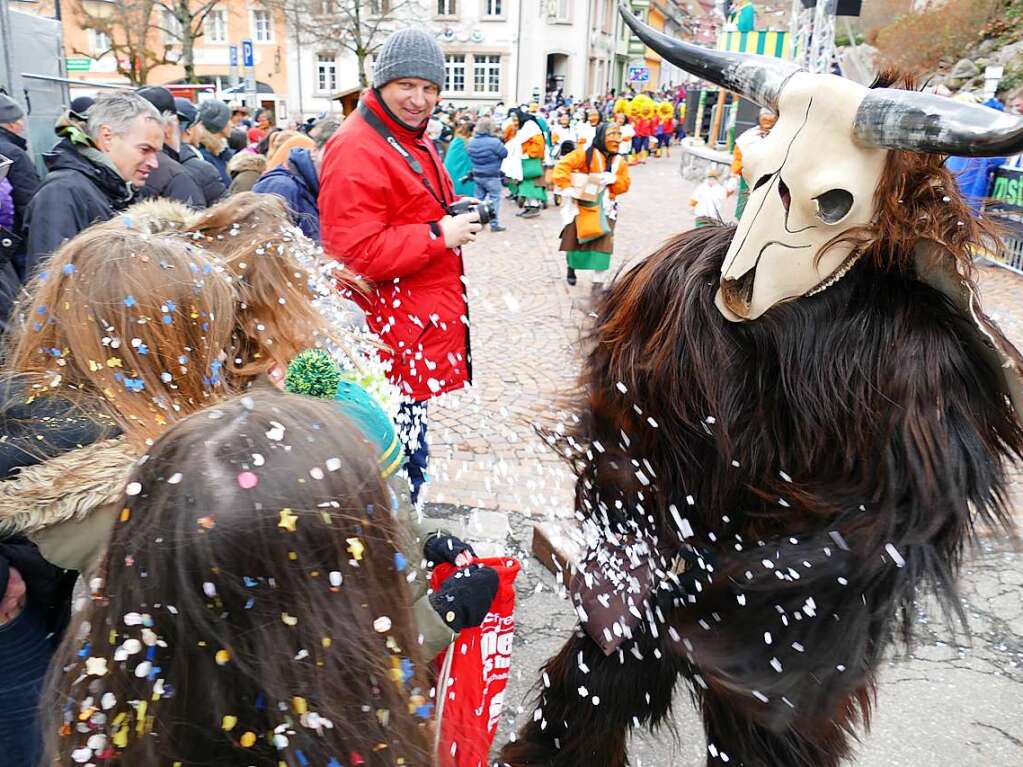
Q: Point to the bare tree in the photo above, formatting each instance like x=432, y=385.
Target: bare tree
x=359, y=26
x=126, y=29
x=183, y=22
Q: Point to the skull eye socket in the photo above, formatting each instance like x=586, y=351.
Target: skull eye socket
x=833, y=205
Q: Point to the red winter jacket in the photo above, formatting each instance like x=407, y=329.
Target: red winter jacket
x=375, y=215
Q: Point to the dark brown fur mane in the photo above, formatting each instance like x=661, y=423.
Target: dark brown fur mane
x=867, y=408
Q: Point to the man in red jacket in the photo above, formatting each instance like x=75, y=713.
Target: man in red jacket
x=383, y=204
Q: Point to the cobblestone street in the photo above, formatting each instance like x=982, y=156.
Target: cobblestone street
x=526, y=327
x=952, y=703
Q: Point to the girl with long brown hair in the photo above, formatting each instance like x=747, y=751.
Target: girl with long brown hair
x=289, y=297
x=252, y=609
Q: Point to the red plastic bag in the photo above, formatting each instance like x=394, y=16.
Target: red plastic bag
x=474, y=674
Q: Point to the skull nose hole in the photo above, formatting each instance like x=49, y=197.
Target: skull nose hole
x=738, y=292
x=783, y=192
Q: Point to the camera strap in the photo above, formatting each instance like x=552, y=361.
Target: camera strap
x=378, y=125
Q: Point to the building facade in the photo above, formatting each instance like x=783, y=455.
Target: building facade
x=510, y=51
x=91, y=60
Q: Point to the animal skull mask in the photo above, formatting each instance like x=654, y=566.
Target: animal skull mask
x=808, y=184
x=814, y=176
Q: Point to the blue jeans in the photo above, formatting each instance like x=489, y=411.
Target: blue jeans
x=25, y=652
x=412, y=433
x=489, y=189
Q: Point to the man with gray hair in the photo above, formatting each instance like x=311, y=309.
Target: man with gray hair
x=93, y=177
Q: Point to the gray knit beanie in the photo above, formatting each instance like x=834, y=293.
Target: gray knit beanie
x=409, y=53
x=214, y=115
x=11, y=111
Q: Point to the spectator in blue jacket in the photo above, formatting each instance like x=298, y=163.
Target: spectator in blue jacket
x=298, y=180
x=486, y=152
x=975, y=175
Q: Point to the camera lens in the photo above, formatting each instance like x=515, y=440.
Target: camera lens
x=485, y=212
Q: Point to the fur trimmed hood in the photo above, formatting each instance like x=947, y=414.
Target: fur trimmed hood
x=161, y=214
x=246, y=161
x=214, y=142
x=66, y=488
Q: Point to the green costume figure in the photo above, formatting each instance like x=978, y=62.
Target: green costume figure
x=459, y=165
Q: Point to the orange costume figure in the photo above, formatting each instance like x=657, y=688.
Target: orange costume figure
x=587, y=238
x=641, y=109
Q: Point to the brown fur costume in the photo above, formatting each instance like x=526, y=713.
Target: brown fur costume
x=825, y=462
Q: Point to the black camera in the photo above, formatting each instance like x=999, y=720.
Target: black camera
x=485, y=210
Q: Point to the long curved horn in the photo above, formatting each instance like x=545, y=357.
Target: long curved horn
x=758, y=78
x=923, y=122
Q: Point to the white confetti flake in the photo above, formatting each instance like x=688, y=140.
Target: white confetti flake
x=684, y=528
x=511, y=302
x=895, y=555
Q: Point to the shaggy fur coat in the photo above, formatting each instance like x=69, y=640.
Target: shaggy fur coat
x=814, y=469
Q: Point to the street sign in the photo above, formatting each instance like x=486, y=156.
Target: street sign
x=233, y=77
x=248, y=56
x=639, y=74
x=79, y=65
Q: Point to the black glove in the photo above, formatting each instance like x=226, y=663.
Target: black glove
x=464, y=599
x=444, y=548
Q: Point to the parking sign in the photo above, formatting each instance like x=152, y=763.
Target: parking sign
x=248, y=59
x=233, y=54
